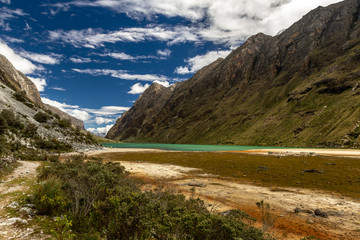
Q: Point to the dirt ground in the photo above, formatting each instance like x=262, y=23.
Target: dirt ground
x=343, y=221
x=10, y=189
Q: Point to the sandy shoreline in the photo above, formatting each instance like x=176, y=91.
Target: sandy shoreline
x=288, y=151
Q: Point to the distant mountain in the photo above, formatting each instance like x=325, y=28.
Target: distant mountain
x=299, y=88
x=27, y=124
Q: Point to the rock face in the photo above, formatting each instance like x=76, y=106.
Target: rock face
x=299, y=88
x=18, y=82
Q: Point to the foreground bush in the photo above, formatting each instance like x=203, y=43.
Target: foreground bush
x=100, y=200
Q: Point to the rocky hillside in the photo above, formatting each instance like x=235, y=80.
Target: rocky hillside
x=28, y=125
x=299, y=88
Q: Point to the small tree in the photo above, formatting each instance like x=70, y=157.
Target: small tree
x=268, y=218
x=3, y=125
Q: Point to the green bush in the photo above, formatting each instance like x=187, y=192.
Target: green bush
x=48, y=197
x=64, y=123
x=21, y=96
x=3, y=125
x=13, y=121
x=41, y=117
x=52, y=145
x=100, y=200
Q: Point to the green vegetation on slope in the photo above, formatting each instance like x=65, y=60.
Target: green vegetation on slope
x=339, y=175
x=98, y=200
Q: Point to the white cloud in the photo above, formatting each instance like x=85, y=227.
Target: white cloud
x=6, y=14
x=42, y=58
x=40, y=83
x=107, y=110
x=13, y=40
x=58, y=88
x=119, y=55
x=92, y=38
x=228, y=22
x=88, y=115
x=80, y=60
x=79, y=114
x=5, y=1
x=23, y=65
x=164, y=53
x=122, y=74
x=101, y=131
x=61, y=106
x=164, y=83
x=137, y=88
x=196, y=63
x=102, y=120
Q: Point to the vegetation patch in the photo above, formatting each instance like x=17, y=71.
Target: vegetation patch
x=98, y=200
x=340, y=175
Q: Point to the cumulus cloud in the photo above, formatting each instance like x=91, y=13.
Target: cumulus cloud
x=122, y=74
x=5, y=1
x=219, y=21
x=103, y=115
x=40, y=83
x=138, y=88
x=102, y=120
x=42, y=58
x=196, y=63
x=101, y=131
x=164, y=53
x=22, y=64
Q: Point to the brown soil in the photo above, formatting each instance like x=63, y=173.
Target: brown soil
x=220, y=195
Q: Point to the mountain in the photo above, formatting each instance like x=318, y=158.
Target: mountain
x=299, y=88
x=29, y=125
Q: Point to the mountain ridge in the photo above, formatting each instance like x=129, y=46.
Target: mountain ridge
x=293, y=89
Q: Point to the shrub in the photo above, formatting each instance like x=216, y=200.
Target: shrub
x=21, y=96
x=48, y=197
x=3, y=125
x=41, y=117
x=102, y=200
x=64, y=123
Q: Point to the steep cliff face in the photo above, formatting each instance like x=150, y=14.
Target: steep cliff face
x=18, y=82
x=299, y=88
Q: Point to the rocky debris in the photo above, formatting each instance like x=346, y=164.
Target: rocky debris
x=296, y=154
x=27, y=211
x=13, y=205
x=194, y=184
x=320, y=213
x=299, y=210
x=311, y=171
x=13, y=221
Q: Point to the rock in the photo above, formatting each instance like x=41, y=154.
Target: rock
x=309, y=221
x=194, y=184
x=320, y=213
x=12, y=221
x=297, y=210
x=307, y=211
x=13, y=205
x=27, y=211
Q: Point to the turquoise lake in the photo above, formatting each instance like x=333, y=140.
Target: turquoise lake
x=184, y=147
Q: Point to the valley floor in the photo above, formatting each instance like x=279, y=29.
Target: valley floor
x=221, y=194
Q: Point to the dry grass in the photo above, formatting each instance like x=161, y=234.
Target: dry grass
x=339, y=175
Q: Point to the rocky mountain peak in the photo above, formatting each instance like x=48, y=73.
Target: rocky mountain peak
x=298, y=88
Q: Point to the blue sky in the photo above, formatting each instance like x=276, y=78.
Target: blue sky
x=93, y=59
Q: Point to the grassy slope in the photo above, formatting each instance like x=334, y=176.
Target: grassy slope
x=316, y=118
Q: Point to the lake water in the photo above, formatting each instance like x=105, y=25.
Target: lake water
x=184, y=147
